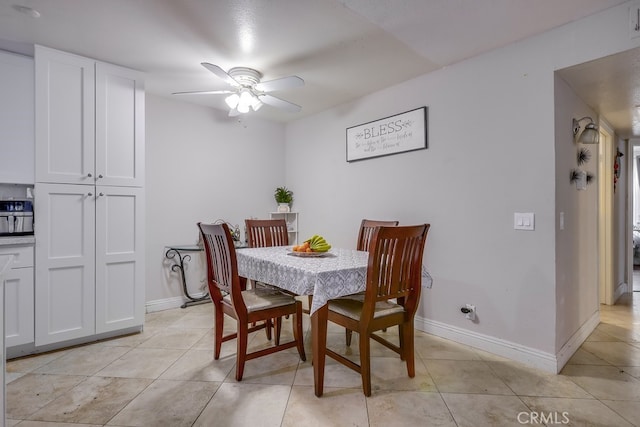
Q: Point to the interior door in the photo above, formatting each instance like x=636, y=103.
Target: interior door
x=605, y=217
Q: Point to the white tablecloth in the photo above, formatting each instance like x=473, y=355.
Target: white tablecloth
x=341, y=272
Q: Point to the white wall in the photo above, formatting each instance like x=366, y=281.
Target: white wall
x=201, y=166
x=491, y=153
x=577, y=244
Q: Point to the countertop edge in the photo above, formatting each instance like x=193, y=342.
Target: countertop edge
x=17, y=240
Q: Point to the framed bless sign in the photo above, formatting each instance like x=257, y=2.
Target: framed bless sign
x=391, y=135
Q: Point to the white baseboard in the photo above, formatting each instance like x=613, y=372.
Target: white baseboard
x=547, y=362
x=517, y=352
x=168, y=303
x=576, y=340
x=621, y=289
x=163, y=304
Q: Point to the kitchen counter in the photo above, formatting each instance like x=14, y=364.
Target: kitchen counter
x=17, y=240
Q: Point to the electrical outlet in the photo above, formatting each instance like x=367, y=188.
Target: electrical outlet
x=470, y=312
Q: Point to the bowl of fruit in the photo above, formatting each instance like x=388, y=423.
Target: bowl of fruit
x=316, y=246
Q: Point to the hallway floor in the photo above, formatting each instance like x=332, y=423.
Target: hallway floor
x=166, y=376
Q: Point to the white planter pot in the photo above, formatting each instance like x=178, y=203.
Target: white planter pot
x=284, y=207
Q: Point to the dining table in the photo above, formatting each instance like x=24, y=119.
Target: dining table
x=325, y=276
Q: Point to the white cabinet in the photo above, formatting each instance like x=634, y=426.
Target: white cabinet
x=89, y=121
x=18, y=313
x=119, y=258
x=16, y=119
x=90, y=197
x=4, y=266
x=291, y=219
x=89, y=260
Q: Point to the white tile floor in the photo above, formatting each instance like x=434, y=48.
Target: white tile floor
x=166, y=376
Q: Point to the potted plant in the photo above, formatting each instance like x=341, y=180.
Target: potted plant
x=284, y=198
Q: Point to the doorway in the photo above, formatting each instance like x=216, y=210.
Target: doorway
x=634, y=190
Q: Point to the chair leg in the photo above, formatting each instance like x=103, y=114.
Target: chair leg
x=267, y=327
x=401, y=341
x=309, y=301
x=408, y=348
x=241, y=352
x=219, y=326
x=348, y=334
x=365, y=362
x=298, y=335
x=277, y=329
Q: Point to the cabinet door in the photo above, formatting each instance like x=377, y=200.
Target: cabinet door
x=65, y=262
x=65, y=106
x=18, y=313
x=119, y=126
x=119, y=258
x=16, y=119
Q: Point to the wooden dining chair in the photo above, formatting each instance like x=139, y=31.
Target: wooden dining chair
x=269, y=232
x=367, y=226
x=247, y=307
x=366, y=231
x=391, y=297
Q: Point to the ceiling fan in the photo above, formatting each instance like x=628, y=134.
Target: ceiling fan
x=248, y=92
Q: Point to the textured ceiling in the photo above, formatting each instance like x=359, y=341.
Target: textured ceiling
x=611, y=87
x=343, y=49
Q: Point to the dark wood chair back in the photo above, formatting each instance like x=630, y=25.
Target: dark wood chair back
x=222, y=270
x=253, y=309
x=366, y=230
x=394, y=270
x=267, y=232
x=393, y=284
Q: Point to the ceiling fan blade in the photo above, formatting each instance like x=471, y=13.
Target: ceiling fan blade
x=279, y=84
x=220, y=73
x=204, y=92
x=234, y=112
x=280, y=103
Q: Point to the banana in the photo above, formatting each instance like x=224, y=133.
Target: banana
x=317, y=243
x=312, y=239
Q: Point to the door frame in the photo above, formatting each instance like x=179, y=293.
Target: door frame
x=606, y=236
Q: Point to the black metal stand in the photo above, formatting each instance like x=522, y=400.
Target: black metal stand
x=178, y=265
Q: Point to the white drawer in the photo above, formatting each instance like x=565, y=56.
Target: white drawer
x=22, y=255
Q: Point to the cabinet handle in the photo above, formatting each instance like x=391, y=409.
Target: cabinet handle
x=100, y=176
x=89, y=175
x=101, y=194
x=89, y=194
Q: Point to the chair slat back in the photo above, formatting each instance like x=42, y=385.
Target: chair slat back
x=222, y=264
x=395, y=266
x=366, y=231
x=267, y=232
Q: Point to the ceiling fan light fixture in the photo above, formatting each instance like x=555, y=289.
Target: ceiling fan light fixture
x=243, y=108
x=245, y=101
x=232, y=100
x=255, y=103
x=246, y=90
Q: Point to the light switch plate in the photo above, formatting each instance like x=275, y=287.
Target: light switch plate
x=524, y=221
